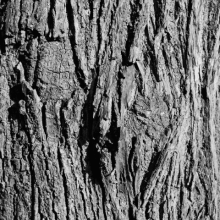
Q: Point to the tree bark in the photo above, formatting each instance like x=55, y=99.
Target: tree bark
x=109, y=109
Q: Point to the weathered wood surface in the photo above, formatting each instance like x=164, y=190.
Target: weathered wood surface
x=109, y=109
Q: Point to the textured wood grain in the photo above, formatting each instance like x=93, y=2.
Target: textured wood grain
x=109, y=109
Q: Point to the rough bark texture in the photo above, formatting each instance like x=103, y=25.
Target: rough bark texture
x=109, y=109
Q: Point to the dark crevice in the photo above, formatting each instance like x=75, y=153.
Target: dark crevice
x=154, y=66
x=13, y=118
x=188, y=175
x=51, y=20
x=177, y=9
x=16, y=93
x=79, y=72
x=181, y=204
x=183, y=86
x=112, y=137
x=36, y=72
x=2, y=40
x=91, y=9
x=19, y=22
x=3, y=6
x=159, y=6
x=147, y=211
x=110, y=32
x=151, y=168
x=161, y=210
x=120, y=81
x=59, y=160
x=44, y=119
x=15, y=208
x=64, y=125
x=65, y=187
x=89, y=132
x=131, y=213
x=93, y=161
x=204, y=94
x=151, y=56
x=130, y=158
x=166, y=58
x=189, y=17
x=32, y=181
x=99, y=27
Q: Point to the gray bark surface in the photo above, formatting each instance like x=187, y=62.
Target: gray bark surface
x=109, y=109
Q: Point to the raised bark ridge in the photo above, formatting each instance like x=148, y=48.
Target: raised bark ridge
x=109, y=109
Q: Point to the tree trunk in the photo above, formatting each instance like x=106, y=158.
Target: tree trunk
x=109, y=109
